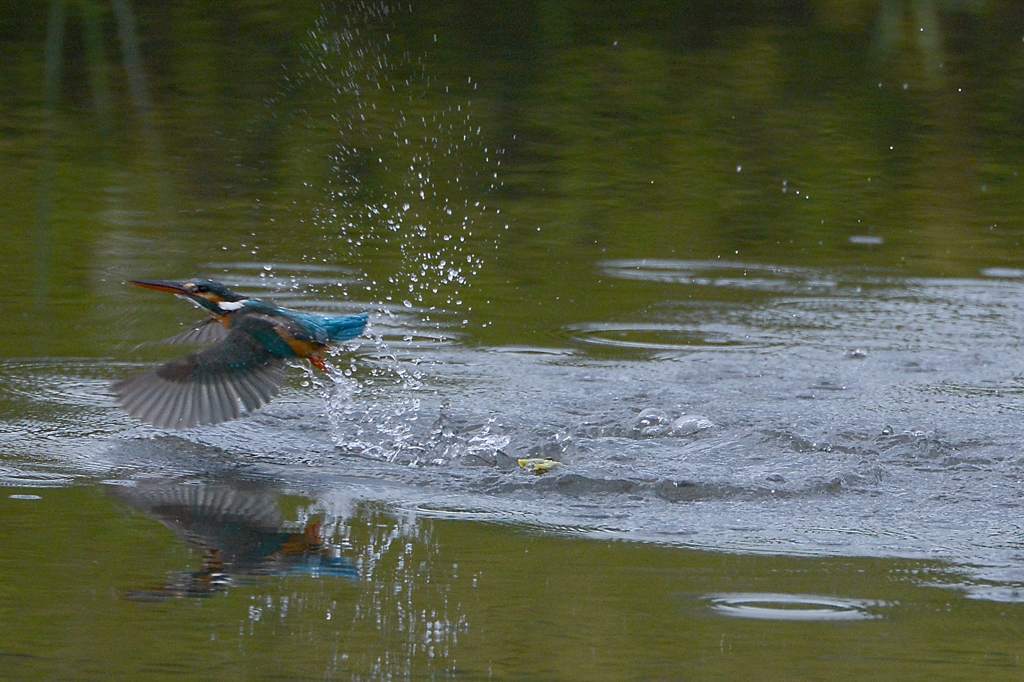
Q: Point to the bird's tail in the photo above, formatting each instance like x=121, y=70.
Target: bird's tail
x=345, y=328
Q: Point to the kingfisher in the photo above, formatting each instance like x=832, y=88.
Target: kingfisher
x=241, y=532
x=243, y=368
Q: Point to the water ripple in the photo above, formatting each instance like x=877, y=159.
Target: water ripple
x=793, y=607
x=659, y=337
x=725, y=274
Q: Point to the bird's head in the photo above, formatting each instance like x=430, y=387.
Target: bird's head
x=205, y=293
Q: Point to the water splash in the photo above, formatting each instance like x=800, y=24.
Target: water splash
x=409, y=167
x=375, y=415
x=402, y=204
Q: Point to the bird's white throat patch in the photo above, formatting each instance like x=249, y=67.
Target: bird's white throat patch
x=232, y=305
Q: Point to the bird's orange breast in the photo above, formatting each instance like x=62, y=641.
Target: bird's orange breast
x=300, y=347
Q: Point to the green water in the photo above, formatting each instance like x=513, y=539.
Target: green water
x=710, y=206
x=472, y=600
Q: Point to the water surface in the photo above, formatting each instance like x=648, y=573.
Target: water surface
x=750, y=275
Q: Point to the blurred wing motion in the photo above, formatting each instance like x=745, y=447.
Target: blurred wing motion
x=242, y=534
x=206, y=332
x=223, y=382
x=210, y=516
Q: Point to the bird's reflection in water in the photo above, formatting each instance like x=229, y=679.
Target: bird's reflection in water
x=241, y=533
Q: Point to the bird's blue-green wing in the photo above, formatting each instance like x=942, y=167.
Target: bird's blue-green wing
x=223, y=382
x=206, y=332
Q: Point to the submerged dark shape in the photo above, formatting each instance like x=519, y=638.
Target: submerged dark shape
x=244, y=367
x=240, y=532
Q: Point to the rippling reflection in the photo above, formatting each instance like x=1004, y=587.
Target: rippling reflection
x=240, y=533
x=313, y=581
x=381, y=572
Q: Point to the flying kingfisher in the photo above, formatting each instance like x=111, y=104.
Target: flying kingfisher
x=244, y=366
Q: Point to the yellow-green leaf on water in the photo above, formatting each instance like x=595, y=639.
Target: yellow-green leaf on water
x=537, y=465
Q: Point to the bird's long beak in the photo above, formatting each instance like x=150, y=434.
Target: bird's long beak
x=161, y=285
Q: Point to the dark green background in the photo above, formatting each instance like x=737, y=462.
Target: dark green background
x=161, y=139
